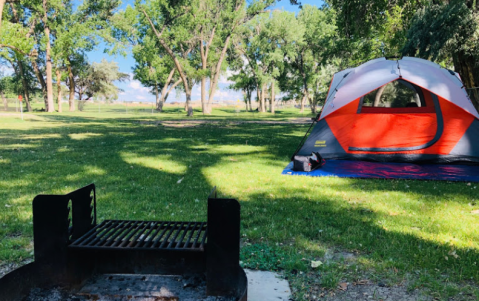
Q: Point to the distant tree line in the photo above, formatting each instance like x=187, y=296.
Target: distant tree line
x=179, y=43
x=46, y=41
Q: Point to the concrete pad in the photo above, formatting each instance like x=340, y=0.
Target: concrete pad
x=267, y=286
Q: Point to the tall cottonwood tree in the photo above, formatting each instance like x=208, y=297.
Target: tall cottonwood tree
x=267, y=43
x=449, y=31
x=98, y=79
x=162, y=16
x=18, y=45
x=278, y=42
x=319, y=35
x=78, y=31
x=247, y=46
x=154, y=67
x=218, y=23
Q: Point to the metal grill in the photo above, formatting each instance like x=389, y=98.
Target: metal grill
x=144, y=235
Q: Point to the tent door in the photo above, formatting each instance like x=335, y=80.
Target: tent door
x=397, y=131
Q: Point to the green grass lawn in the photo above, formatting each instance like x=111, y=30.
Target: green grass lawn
x=420, y=233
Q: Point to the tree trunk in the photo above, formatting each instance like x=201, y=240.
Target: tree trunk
x=271, y=98
x=2, y=4
x=249, y=99
x=5, y=103
x=258, y=95
x=305, y=82
x=59, y=90
x=214, y=82
x=313, y=102
x=25, y=86
x=48, y=62
x=178, y=66
x=263, y=90
x=464, y=66
x=164, y=91
x=377, y=99
x=302, y=103
x=189, y=108
x=159, y=106
x=42, y=82
x=71, y=84
x=205, y=107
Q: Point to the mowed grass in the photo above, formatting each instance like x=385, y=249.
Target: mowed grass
x=420, y=233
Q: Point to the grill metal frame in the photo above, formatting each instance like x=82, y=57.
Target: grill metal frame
x=144, y=235
x=70, y=247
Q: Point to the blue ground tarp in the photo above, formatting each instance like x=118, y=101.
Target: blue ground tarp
x=376, y=170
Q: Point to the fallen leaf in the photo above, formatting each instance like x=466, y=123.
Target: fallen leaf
x=361, y=282
x=453, y=254
x=343, y=286
x=393, y=213
x=315, y=264
x=475, y=211
x=179, y=181
x=8, y=206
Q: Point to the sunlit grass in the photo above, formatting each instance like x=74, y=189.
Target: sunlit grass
x=417, y=231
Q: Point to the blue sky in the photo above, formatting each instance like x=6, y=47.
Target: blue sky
x=134, y=91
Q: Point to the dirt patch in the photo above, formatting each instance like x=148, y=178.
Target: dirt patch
x=19, y=115
x=330, y=256
x=376, y=292
x=192, y=123
x=8, y=267
x=119, y=287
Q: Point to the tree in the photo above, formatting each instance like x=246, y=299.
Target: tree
x=98, y=79
x=267, y=43
x=320, y=33
x=169, y=22
x=449, y=31
x=77, y=32
x=219, y=25
x=154, y=68
x=247, y=48
x=279, y=40
x=17, y=40
x=243, y=80
x=8, y=86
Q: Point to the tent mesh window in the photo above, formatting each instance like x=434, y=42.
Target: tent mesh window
x=396, y=94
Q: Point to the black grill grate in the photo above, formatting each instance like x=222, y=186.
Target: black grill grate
x=142, y=235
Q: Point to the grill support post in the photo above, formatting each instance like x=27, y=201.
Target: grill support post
x=53, y=230
x=62, y=222
x=222, y=253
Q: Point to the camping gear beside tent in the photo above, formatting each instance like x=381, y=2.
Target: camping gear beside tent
x=307, y=163
x=406, y=110
x=390, y=170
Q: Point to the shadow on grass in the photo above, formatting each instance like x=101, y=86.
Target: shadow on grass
x=156, y=172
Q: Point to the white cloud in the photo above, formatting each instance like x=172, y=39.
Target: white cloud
x=224, y=78
x=140, y=97
x=136, y=85
x=222, y=94
x=6, y=70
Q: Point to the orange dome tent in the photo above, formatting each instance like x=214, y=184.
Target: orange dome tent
x=407, y=110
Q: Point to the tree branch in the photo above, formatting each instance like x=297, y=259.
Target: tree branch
x=14, y=49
